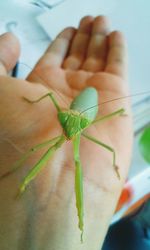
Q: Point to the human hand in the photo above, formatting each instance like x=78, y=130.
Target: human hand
x=45, y=217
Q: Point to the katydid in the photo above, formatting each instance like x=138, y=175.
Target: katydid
x=73, y=121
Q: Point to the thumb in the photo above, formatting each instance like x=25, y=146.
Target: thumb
x=9, y=52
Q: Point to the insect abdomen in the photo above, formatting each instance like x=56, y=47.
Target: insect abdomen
x=85, y=102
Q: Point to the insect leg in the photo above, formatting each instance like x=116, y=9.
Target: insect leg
x=50, y=94
x=106, y=147
x=40, y=164
x=106, y=117
x=25, y=156
x=78, y=183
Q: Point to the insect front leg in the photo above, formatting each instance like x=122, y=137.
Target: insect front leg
x=108, y=148
x=40, y=164
x=43, y=97
x=106, y=117
x=78, y=183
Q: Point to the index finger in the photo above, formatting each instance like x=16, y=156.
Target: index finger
x=55, y=54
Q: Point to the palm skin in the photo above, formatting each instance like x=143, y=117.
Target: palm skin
x=45, y=216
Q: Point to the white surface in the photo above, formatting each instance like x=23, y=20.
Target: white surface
x=47, y=3
x=71, y=11
x=20, y=18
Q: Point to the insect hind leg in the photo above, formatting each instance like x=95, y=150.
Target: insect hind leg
x=78, y=183
x=19, y=163
x=40, y=164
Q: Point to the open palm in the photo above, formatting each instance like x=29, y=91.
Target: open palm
x=89, y=56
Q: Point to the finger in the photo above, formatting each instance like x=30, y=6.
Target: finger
x=117, y=60
x=79, y=44
x=9, y=52
x=97, y=49
x=55, y=54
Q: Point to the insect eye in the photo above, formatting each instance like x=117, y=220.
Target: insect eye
x=63, y=117
x=84, y=123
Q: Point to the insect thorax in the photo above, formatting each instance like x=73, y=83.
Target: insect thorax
x=72, y=122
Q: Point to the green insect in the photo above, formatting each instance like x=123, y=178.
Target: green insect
x=74, y=121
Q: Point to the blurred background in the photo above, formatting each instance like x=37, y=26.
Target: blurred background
x=37, y=22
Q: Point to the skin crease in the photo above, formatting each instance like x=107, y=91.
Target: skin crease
x=45, y=216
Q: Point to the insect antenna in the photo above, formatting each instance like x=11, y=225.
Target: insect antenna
x=42, y=79
x=118, y=98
